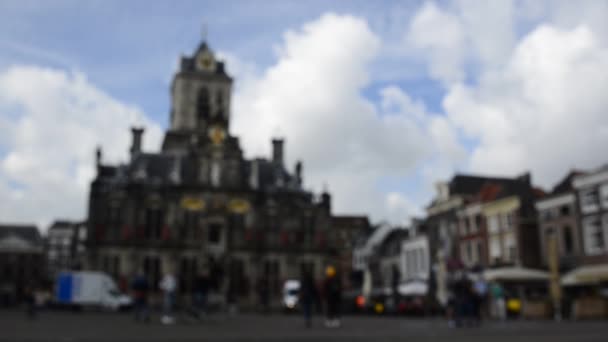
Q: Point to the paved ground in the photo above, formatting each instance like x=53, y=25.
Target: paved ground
x=91, y=326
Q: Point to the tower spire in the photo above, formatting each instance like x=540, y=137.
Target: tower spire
x=204, y=31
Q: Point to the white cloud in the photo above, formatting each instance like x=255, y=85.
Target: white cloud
x=313, y=95
x=440, y=36
x=545, y=111
x=55, y=119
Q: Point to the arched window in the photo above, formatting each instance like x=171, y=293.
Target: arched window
x=219, y=100
x=202, y=103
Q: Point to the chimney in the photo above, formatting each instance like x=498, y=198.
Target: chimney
x=277, y=151
x=254, y=175
x=299, y=172
x=326, y=199
x=525, y=178
x=136, y=145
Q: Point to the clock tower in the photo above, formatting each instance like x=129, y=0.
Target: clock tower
x=200, y=102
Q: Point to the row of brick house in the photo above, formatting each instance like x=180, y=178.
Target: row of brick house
x=500, y=228
x=503, y=225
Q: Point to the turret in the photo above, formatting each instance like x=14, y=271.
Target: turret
x=136, y=144
x=277, y=151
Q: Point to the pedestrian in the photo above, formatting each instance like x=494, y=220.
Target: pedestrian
x=333, y=297
x=308, y=296
x=462, y=292
x=263, y=293
x=140, y=290
x=480, y=293
x=30, y=300
x=168, y=285
x=200, y=293
x=231, y=294
x=498, y=301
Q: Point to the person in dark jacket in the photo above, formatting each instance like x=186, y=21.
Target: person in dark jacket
x=263, y=290
x=30, y=300
x=200, y=290
x=308, y=296
x=333, y=297
x=140, y=288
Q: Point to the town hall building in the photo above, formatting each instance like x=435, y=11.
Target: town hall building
x=199, y=207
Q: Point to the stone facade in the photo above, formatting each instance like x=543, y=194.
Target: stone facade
x=198, y=206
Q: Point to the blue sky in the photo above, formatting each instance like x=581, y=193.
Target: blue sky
x=423, y=89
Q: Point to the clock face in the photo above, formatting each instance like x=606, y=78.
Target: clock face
x=205, y=62
x=217, y=135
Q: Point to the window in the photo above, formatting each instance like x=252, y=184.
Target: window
x=473, y=225
x=589, y=200
x=214, y=233
x=547, y=215
x=568, y=240
x=202, y=104
x=154, y=223
x=219, y=100
x=565, y=210
x=495, y=250
x=604, y=195
x=463, y=252
x=463, y=227
x=510, y=247
x=593, y=235
x=508, y=220
x=479, y=251
x=187, y=274
x=493, y=224
x=190, y=228
x=215, y=174
x=151, y=266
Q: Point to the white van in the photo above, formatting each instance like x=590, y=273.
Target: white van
x=291, y=294
x=89, y=289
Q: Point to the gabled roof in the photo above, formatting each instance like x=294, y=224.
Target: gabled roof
x=26, y=232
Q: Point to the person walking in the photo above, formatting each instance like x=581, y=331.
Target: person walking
x=168, y=285
x=264, y=294
x=333, y=297
x=200, y=293
x=30, y=300
x=480, y=293
x=498, y=301
x=308, y=296
x=140, y=290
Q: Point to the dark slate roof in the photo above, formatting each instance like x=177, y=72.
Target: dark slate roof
x=62, y=224
x=26, y=232
x=470, y=185
x=158, y=166
x=392, y=242
x=350, y=221
x=565, y=185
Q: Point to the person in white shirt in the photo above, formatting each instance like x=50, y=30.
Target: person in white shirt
x=168, y=285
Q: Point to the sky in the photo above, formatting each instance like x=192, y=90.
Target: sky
x=379, y=99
